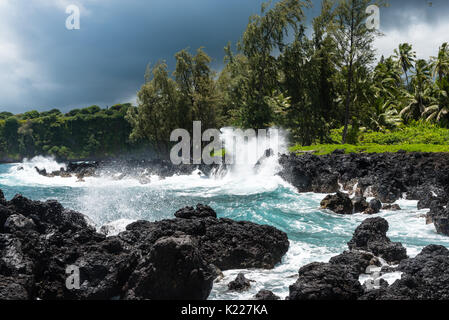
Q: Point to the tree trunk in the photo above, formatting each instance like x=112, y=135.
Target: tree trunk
x=350, y=74
x=347, y=104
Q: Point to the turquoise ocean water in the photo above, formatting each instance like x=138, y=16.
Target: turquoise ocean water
x=242, y=194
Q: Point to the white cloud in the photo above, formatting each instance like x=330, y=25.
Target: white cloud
x=63, y=4
x=425, y=38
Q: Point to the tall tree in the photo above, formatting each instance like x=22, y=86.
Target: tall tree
x=440, y=64
x=386, y=93
x=439, y=111
x=308, y=69
x=354, y=47
x=158, y=109
x=421, y=96
x=262, y=40
x=405, y=57
x=197, y=87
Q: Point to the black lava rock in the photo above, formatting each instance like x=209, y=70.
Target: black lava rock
x=375, y=205
x=240, y=283
x=266, y=295
x=425, y=277
x=201, y=211
x=169, y=259
x=325, y=281
x=339, y=203
x=371, y=236
x=439, y=216
x=386, y=176
x=360, y=204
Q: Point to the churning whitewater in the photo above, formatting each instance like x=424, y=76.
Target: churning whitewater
x=245, y=191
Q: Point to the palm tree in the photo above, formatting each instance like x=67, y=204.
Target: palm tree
x=422, y=96
x=438, y=112
x=385, y=115
x=405, y=57
x=440, y=64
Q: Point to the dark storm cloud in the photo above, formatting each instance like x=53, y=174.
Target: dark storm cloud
x=401, y=13
x=103, y=62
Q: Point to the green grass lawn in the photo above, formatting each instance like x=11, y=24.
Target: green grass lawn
x=415, y=137
x=371, y=148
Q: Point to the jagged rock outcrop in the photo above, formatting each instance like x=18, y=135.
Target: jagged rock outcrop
x=266, y=295
x=226, y=243
x=439, y=216
x=360, y=204
x=391, y=207
x=325, y=281
x=386, y=176
x=425, y=277
x=355, y=261
x=200, y=211
x=153, y=276
x=339, y=203
x=42, y=244
x=375, y=205
x=371, y=236
x=120, y=169
x=240, y=283
x=339, y=278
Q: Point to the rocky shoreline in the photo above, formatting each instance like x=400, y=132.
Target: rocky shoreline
x=141, y=170
x=168, y=259
x=425, y=277
x=181, y=257
x=386, y=176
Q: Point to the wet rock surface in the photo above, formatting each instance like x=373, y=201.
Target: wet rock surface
x=225, y=243
x=266, y=295
x=200, y=211
x=360, y=204
x=339, y=278
x=439, y=216
x=425, y=277
x=391, y=207
x=325, y=281
x=240, y=283
x=375, y=205
x=371, y=236
x=386, y=176
x=339, y=203
x=120, y=169
x=41, y=243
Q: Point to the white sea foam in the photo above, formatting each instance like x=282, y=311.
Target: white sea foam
x=115, y=227
x=276, y=280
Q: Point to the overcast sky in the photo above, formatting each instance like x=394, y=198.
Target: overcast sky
x=43, y=65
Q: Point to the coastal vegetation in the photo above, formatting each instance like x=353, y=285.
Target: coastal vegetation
x=415, y=137
x=321, y=81
x=78, y=134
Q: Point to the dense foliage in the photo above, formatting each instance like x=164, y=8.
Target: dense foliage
x=310, y=83
x=415, y=136
x=81, y=133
